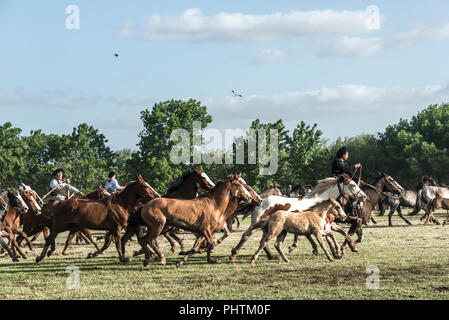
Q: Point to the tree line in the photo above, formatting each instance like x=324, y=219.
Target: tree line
x=406, y=151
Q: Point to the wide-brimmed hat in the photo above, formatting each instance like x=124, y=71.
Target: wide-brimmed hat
x=341, y=152
x=57, y=171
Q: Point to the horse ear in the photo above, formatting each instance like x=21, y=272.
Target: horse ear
x=197, y=170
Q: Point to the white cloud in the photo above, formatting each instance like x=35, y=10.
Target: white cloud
x=351, y=46
x=128, y=29
x=193, y=25
x=345, y=110
x=267, y=55
x=418, y=34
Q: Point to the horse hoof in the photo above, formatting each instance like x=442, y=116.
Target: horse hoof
x=15, y=259
x=37, y=259
x=145, y=262
x=25, y=257
x=163, y=262
x=178, y=264
x=232, y=258
x=315, y=252
x=124, y=260
x=182, y=253
x=90, y=256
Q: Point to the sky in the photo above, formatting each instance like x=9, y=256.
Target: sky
x=351, y=66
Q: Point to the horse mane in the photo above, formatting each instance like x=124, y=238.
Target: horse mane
x=175, y=187
x=219, y=183
x=323, y=185
x=319, y=205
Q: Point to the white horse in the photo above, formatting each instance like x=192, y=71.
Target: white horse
x=325, y=189
x=428, y=195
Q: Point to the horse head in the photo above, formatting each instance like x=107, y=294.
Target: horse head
x=351, y=188
x=16, y=200
x=336, y=209
x=391, y=185
x=145, y=191
x=254, y=196
x=238, y=190
x=202, y=180
x=3, y=204
x=28, y=197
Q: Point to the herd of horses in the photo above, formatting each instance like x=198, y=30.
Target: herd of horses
x=140, y=211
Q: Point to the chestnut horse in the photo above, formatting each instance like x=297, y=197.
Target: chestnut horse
x=203, y=216
x=186, y=189
x=105, y=214
x=4, y=207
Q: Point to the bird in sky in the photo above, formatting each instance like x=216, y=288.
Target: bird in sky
x=116, y=55
x=236, y=94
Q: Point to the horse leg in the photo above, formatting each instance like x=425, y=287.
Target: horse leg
x=177, y=239
x=118, y=244
x=314, y=246
x=374, y=221
x=152, y=234
x=50, y=240
x=390, y=214
x=196, y=248
x=68, y=241
x=399, y=210
x=8, y=250
x=295, y=243
x=129, y=232
x=87, y=234
x=107, y=243
x=266, y=237
x=24, y=236
x=245, y=237
x=278, y=245
x=226, y=233
x=15, y=245
x=333, y=245
x=171, y=241
x=319, y=238
x=348, y=239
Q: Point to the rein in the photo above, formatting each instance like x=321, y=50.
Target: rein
x=388, y=195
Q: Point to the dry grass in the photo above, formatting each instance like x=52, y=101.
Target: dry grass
x=412, y=260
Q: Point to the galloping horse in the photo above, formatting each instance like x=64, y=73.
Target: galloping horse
x=271, y=191
x=325, y=189
x=15, y=207
x=382, y=183
x=186, y=189
x=203, y=216
x=105, y=214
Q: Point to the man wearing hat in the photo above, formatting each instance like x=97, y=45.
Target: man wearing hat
x=61, y=187
x=339, y=165
x=112, y=185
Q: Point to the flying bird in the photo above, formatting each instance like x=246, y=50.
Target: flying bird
x=236, y=94
x=115, y=54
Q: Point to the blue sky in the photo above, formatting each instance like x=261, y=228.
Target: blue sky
x=291, y=60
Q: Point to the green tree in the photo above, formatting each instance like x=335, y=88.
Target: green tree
x=11, y=154
x=153, y=157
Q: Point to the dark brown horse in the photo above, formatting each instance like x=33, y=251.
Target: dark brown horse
x=110, y=214
x=203, y=216
x=186, y=189
x=382, y=183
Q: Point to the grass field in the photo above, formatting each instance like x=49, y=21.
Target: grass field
x=413, y=263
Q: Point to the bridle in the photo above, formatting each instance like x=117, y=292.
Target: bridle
x=380, y=191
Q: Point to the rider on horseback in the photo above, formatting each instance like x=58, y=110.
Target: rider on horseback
x=339, y=167
x=61, y=187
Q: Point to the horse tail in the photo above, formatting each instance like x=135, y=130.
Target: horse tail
x=275, y=208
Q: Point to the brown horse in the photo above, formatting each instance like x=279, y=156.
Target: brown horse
x=203, y=216
x=303, y=223
x=105, y=214
x=186, y=189
x=271, y=191
x=382, y=183
x=10, y=220
x=3, y=207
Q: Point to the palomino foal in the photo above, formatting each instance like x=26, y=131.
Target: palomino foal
x=303, y=223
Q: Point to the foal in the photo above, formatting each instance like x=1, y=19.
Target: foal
x=303, y=223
